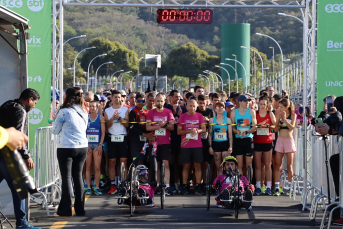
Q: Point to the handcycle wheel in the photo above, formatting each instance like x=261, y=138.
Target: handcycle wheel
x=236, y=208
x=163, y=185
x=122, y=172
x=249, y=174
x=208, y=187
x=132, y=186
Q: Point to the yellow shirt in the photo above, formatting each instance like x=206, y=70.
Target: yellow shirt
x=3, y=137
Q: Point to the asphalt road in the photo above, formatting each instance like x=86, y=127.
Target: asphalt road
x=181, y=212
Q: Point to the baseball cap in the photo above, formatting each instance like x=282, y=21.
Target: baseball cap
x=103, y=98
x=243, y=98
x=122, y=92
x=228, y=104
x=96, y=97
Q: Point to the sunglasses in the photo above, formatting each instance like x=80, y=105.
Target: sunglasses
x=219, y=107
x=144, y=173
x=140, y=101
x=106, y=94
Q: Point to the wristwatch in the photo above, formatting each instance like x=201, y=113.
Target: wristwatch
x=165, y=125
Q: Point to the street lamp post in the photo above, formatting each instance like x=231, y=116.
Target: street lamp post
x=217, y=78
x=273, y=57
x=76, y=58
x=209, y=84
x=260, y=34
x=228, y=75
x=236, y=75
x=245, y=72
x=260, y=59
x=90, y=65
x=175, y=82
x=121, y=79
x=96, y=74
x=212, y=78
x=288, y=15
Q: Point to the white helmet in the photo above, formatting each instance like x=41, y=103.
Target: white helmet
x=141, y=167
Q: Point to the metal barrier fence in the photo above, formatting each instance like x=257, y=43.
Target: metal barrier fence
x=46, y=168
x=290, y=76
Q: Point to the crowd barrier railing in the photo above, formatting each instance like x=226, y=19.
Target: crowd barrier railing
x=46, y=173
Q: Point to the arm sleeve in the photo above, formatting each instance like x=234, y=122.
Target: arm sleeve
x=134, y=127
x=3, y=137
x=57, y=125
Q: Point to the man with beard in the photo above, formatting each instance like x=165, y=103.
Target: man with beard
x=14, y=113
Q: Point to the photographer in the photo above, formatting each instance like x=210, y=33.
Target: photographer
x=333, y=125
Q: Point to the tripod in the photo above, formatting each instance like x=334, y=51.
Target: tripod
x=3, y=219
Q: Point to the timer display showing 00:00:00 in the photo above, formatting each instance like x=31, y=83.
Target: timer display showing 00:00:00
x=180, y=16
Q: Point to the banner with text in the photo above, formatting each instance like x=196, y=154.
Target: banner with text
x=38, y=12
x=329, y=50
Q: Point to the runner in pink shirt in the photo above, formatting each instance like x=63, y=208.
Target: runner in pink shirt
x=161, y=121
x=190, y=127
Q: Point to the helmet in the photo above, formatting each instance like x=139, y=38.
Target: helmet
x=230, y=158
x=141, y=167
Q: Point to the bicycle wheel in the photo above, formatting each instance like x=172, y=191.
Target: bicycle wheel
x=163, y=185
x=236, y=208
x=132, y=187
x=208, y=187
x=249, y=174
x=122, y=172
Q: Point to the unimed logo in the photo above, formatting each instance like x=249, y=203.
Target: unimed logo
x=334, y=8
x=35, y=5
x=334, y=83
x=35, y=116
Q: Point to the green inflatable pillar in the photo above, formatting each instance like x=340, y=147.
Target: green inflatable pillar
x=232, y=38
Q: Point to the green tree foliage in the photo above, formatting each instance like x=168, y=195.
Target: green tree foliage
x=188, y=60
x=122, y=57
x=179, y=82
x=68, y=75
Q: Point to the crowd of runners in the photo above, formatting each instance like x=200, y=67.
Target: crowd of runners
x=192, y=129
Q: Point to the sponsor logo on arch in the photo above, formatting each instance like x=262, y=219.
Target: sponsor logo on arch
x=334, y=8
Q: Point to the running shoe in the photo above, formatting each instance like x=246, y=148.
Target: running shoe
x=184, y=190
x=102, y=185
x=198, y=190
x=158, y=190
x=89, y=191
x=257, y=192
x=97, y=191
x=169, y=192
x=268, y=192
x=276, y=192
x=113, y=190
x=338, y=222
x=85, y=187
x=281, y=191
x=25, y=226
x=263, y=189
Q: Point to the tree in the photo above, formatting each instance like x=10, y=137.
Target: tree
x=179, y=81
x=69, y=55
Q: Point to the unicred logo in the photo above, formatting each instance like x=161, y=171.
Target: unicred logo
x=334, y=8
x=35, y=116
x=35, y=5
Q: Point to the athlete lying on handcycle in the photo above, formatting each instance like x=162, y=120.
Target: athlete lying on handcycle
x=144, y=196
x=224, y=184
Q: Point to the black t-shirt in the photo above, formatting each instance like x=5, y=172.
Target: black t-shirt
x=208, y=113
x=173, y=135
x=137, y=129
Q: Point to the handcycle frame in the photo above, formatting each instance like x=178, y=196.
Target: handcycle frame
x=131, y=185
x=235, y=197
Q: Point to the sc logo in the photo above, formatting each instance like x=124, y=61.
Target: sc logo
x=334, y=8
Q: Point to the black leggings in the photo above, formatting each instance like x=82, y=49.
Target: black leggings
x=71, y=161
x=334, y=164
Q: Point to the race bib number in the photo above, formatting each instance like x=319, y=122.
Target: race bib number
x=189, y=136
x=93, y=138
x=220, y=136
x=142, y=139
x=117, y=138
x=244, y=129
x=161, y=132
x=262, y=131
x=204, y=135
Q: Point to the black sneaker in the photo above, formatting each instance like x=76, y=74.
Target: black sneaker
x=141, y=192
x=158, y=190
x=184, y=190
x=169, y=192
x=198, y=190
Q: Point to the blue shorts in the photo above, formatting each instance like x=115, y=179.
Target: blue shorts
x=93, y=146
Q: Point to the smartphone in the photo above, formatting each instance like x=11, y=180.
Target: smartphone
x=319, y=122
x=301, y=110
x=329, y=103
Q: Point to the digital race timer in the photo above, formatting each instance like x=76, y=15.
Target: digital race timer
x=184, y=16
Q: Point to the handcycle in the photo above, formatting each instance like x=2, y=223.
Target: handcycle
x=129, y=195
x=235, y=198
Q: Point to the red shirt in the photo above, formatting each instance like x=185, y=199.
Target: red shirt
x=263, y=135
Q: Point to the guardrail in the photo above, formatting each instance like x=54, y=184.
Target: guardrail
x=47, y=173
x=291, y=78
